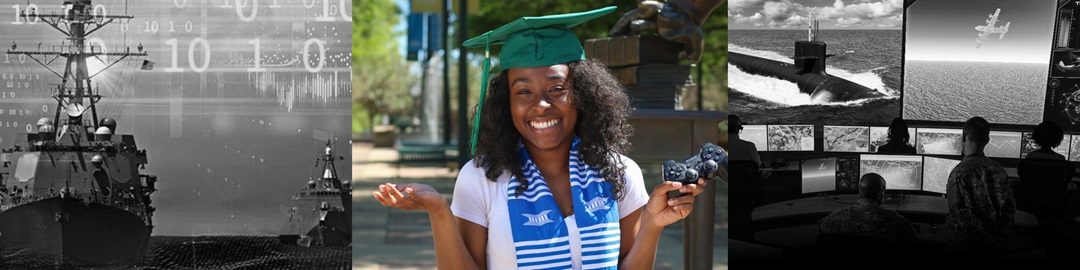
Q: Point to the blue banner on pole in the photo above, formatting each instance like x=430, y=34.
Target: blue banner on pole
x=417, y=35
x=435, y=40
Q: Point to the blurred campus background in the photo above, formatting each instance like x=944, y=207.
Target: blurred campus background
x=406, y=115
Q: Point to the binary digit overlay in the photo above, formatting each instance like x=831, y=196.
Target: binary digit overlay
x=231, y=103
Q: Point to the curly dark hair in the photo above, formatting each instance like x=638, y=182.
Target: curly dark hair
x=1047, y=134
x=603, y=111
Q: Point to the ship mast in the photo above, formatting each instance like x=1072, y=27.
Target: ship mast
x=330, y=174
x=329, y=170
x=77, y=21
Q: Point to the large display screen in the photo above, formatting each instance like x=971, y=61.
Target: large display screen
x=968, y=58
x=863, y=45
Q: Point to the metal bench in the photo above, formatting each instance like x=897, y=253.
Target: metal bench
x=424, y=153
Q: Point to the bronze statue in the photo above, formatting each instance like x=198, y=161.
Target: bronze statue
x=675, y=20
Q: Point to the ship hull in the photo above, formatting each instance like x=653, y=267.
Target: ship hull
x=71, y=232
x=822, y=87
x=335, y=231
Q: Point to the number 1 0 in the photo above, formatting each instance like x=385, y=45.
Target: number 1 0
x=326, y=11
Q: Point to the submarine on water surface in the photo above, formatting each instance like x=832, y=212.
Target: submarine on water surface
x=808, y=72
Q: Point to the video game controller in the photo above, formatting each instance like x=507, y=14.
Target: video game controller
x=705, y=164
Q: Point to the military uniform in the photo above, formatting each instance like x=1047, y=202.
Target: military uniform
x=867, y=218
x=981, y=206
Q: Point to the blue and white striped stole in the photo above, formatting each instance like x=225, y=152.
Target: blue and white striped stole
x=541, y=237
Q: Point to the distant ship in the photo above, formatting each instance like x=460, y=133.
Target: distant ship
x=72, y=192
x=322, y=210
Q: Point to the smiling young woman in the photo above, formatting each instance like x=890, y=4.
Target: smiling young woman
x=549, y=186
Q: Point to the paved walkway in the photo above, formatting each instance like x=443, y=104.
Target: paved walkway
x=394, y=239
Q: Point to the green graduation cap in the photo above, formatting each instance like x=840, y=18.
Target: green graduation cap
x=531, y=42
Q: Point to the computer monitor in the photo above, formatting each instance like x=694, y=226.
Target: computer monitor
x=846, y=139
x=880, y=136
x=901, y=172
x=791, y=137
x=1003, y=144
x=936, y=173
x=755, y=134
x=1074, y=148
x=938, y=141
x=1031, y=146
x=818, y=175
x=847, y=173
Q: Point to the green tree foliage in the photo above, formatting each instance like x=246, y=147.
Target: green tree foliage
x=714, y=60
x=381, y=76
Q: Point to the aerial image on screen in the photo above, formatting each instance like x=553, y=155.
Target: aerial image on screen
x=880, y=136
x=755, y=134
x=791, y=138
x=936, y=173
x=900, y=172
x=1004, y=144
x=847, y=139
x=1031, y=146
x=863, y=45
x=819, y=175
x=992, y=55
x=938, y=141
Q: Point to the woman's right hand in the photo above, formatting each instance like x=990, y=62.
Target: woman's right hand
x=411, y=196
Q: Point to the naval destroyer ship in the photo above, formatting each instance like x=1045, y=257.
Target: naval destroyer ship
x=322, y=210
x=73, y=192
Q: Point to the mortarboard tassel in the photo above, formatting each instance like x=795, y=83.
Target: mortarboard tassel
x=483, y=92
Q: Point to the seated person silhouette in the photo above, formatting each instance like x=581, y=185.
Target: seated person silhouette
x=865, y=227
x=1044, y=187
x=739, y=149
x=747, y=188
x=1047, y=135
x=898, y=139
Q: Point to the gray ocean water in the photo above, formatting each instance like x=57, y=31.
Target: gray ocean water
x=1007, y=93
x=226, y=252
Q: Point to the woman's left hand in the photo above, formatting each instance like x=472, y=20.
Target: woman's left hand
x=661, y=210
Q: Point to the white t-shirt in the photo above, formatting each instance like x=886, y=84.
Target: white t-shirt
x=483, y=202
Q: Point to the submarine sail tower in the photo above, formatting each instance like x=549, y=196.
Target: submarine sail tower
x=812, y=26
